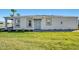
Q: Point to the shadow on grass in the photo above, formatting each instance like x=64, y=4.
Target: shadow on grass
x=22, y=31
x=13, y=31
x=19, y=31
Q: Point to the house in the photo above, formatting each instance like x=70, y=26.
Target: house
x=42, y=22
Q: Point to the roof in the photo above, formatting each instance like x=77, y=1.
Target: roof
x=42, y=15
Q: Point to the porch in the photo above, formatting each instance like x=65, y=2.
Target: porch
x=8, y=24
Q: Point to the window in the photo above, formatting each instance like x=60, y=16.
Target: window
x=30, y=23
x=17, y=22
x=48, y=22
x=61, y=22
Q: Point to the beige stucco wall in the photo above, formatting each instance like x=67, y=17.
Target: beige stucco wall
x=68, y=22
x=23, y=23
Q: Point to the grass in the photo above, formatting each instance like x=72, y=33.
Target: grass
x=39, y=41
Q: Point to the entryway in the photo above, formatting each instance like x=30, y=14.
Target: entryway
x=37, y=24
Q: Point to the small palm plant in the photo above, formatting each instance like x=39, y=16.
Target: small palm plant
x=18, y=14
x=13, y=12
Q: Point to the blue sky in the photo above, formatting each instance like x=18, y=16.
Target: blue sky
x=65, y=12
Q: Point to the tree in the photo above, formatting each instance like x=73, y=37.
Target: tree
x=18, y=14
x=1, y=22
x=11, y=15
x=13, y=11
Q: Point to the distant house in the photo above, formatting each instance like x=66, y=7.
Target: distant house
x=43, y=22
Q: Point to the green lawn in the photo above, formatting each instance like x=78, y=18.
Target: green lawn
x=39, y=40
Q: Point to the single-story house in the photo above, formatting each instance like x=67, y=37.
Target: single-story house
x=43, y=22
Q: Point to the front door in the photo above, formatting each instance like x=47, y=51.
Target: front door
x=37, y=24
